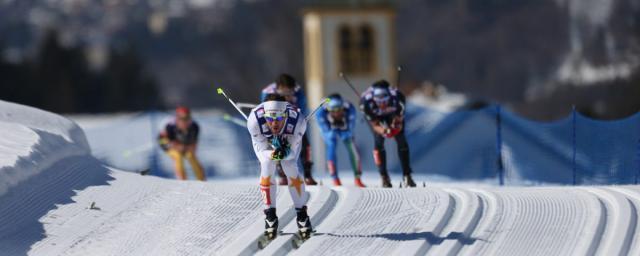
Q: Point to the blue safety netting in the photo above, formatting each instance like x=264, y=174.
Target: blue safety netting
x=489, y=143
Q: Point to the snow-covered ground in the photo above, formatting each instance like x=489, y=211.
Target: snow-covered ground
x=57, y=199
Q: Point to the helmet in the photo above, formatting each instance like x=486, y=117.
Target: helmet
x=381, y=84
x=381, y=95
x=183, y=112
x=335, y=102
x=275, y=110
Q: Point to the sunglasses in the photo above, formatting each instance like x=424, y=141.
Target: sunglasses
x=272, y=118
x=381, y=98
x=335, y=109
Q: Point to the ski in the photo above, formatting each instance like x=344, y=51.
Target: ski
x=300, y=237
x=264, y=240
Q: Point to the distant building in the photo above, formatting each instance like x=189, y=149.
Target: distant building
x=356, y=37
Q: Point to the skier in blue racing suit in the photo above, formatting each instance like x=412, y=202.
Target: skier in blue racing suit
x=337, y=121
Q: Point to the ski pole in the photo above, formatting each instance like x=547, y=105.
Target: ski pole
x=398, y=76
x=326, y=100
x=234, y=120
x=344, y=77
x=220, y=91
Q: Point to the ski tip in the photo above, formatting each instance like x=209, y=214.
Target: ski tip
x=220, y=91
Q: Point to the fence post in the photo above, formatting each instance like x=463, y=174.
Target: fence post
x=573, y=119
x=499, y=144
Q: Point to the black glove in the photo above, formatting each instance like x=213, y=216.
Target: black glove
x=278, y=154
x=281, y=148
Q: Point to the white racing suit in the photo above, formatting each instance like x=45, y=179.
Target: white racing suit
x=263, y=141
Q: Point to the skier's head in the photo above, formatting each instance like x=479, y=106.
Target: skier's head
x=275, y=112
x=381, y=93
x=335, y=106
x=286, y=86
x=183, y=117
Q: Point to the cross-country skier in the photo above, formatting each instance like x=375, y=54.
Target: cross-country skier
x=384, y=108
x=337, y=120
x=179, y=140
x=286, y=86
x=277, y=129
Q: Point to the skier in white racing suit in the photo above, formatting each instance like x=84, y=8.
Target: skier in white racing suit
x=276, y=129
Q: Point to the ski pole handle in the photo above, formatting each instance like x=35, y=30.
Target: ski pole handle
x=326, y=100
x=220, y=91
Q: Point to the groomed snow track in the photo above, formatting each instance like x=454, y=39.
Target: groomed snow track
x=138, y=215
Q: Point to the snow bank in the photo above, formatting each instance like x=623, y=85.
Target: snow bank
x=32, y=140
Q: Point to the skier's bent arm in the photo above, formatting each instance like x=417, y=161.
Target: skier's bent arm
x=378, y=128
x=296, y=139
x=322, y=121
x=260, y=143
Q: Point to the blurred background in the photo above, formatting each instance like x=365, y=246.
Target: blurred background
x=536, y=58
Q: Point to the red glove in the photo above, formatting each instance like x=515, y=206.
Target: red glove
x=391, y=132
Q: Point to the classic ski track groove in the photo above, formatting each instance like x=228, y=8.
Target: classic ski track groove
x=248, y=242
x=621, y=221
x=551, y=223
x=375, y=222
x=321, y=203
x=467, y=213
x=634, y=198
x=431, y=224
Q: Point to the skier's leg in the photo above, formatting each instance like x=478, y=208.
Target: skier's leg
x=179, y=165
x=379, y=154
x=354, y=157
x=268, y=190
x=296, y=184
x=331, y=156
x=195, y=164
x=403, y=154
x=297, y=191
x=380, y=159
x=267, y=183
x=305, y=156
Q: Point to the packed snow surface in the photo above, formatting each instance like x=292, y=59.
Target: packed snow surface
x=57, y=199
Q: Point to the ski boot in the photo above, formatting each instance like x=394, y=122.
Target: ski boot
x=386, y=181
x=270, y=228
x=408, y=181
x=336, y=182
x=304, y=227
x=359, y=183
